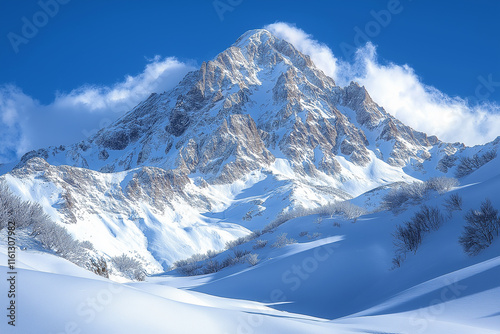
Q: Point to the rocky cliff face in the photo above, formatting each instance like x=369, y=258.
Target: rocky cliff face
x=260, y=112
x=257, y=100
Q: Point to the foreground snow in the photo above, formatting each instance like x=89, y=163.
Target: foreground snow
x=336, y=279
x=56, y=296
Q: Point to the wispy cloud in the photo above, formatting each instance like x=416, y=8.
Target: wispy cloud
x=27, y=124
x=320, y=53
x=401, y=92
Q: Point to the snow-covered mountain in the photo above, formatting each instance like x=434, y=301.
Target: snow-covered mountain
x=259, y=100
x=258, y=139
x=164, y=181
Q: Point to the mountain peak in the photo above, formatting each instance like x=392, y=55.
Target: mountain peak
x=254, y=35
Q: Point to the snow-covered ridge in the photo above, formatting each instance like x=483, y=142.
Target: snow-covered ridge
x=255, y=132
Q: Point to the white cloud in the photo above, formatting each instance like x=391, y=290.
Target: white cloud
x=401, y=92
x=320, y=54
x=26, y=124
x=158, y=76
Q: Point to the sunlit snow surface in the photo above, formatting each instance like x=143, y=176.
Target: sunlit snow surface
x=336, y=278
x=343, y=285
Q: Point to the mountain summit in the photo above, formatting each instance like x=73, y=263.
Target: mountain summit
x=257, y=100
x=163, y=180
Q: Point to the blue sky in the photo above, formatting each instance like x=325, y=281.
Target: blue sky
x=84, y=51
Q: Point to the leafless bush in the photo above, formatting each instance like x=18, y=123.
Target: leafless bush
x=212, y=253
x=31, y=218
x=87, y=245
x=303, y=234
x=282, y=241
x=259, y=243
x=409, y=235
x=241, y=240
x=129, y=267
x=240, y=252
x=315, y=235
x=407, y=238
x=398, y=260
x=453, y=203
x=482, y=226
x=416, y=191
x=252, y=259
x=441, y=184
x=428, y=218
x=407, y=192
x=187, y=268
x=345, y=208
x=212, y=266
x=468, y=165
x=228, y=261
x=98, y=266
x=235, y=243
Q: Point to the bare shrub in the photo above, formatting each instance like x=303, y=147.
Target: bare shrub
x=398, y=260
x=129, y=267
x=259, y=243
x=453, y=203
x=252, y=259
x=428, y=218
x=407, y=238
x=240, y=252
x=235, y=243
x=31, y=218
x=442, y=184
x=468, y=165
x=407, y=192
x=416, y=191
x=187, y=267
x=482, y=226
x=87, y=245
x=241, y=240
x=228, y=261
x=282, y=241
x=194, y=265
x=303, y=234
x=345, y=208
x=409, y=235
x=315, y=235
x=98, y=266
x=212, y=266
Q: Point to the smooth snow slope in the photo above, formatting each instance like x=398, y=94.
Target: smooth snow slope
x=351, y=277
x=343, y=285
x=55, y=296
